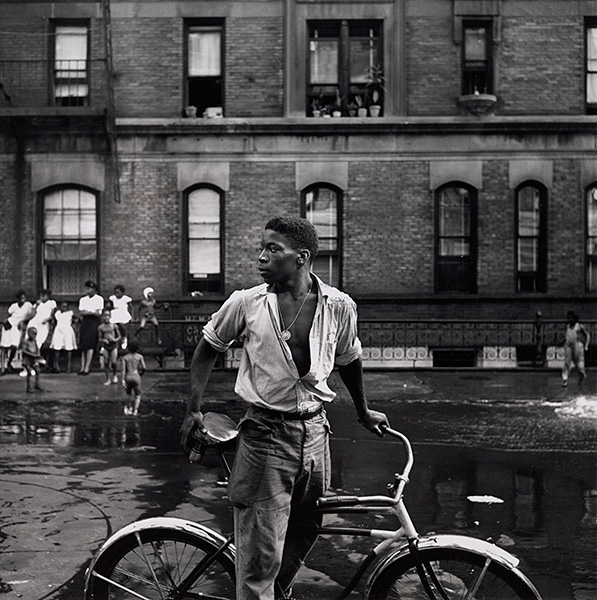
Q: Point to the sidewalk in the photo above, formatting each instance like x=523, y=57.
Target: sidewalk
x=387, y=385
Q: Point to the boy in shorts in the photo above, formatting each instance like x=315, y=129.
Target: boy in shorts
x=32, y=359
x=133, y=366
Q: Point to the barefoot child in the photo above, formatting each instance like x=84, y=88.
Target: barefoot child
x=109, y=336
x=147, y=310
x=32, y=359
x=133, y=366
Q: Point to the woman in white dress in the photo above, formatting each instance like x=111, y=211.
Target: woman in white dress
x=45, y=308
x=13, y=329
x=64, y=337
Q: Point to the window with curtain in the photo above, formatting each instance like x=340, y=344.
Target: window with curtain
x=531, y=249
x=345, y=65
x=591, y=258
x=69, y=247
x=591, y=65
x=321, y=205
x=204, y=240
x=204, y=66
x=70, y=68
x=477, y=69
x=456, y=243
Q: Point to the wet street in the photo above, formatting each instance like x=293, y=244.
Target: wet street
x=74, y=469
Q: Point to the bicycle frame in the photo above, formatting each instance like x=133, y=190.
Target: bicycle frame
x=405, y=537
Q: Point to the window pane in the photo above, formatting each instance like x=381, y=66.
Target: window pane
x=592, y=48
x=87, y=225
x=592, y=212
x=527, y=254
x=454, y=247
x=204, y=257
x=592, y=275
x=363, y=56
x=204, y=232
x=53, y=224
x=321, y=209
x=326, y=268
x=53, y=201
x=454, y=212
x=71, y=44
x=529, y=211
x=324, y=60
x=592, y=88
x=475, y=44
x=204, y=52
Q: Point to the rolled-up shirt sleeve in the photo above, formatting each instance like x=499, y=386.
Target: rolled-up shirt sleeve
x=226, y=324
x=348, y=346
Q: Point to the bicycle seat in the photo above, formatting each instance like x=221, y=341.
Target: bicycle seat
x=221, y=429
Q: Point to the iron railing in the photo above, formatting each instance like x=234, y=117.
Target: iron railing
x=409, y=344
x=45, y=83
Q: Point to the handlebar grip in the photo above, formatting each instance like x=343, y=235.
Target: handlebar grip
x=344, y=500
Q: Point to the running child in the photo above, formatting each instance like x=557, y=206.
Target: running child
x=133, y=366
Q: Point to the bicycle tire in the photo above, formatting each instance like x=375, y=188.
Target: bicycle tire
x=458, y=571
x=171, y=555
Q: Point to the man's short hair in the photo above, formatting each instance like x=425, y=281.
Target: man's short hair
x=300, y=232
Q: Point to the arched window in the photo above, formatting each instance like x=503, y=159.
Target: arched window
x=69, y=245
x=591, y=258
x=456, y=238
x=531, y=238
x=204, y=207
x=322, y=205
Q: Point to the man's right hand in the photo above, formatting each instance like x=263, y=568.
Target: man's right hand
x=192, y=422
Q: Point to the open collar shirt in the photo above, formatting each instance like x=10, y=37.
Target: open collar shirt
x=267, y=374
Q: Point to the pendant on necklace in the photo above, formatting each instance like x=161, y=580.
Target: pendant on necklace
x=286, y=335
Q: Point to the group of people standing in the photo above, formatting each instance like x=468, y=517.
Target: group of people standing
x=43, y=330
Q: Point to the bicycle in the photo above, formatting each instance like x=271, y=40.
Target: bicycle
x=174, y=559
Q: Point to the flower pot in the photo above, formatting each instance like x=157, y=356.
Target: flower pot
x=374, y=110
x=317, y=113
x=362, y=112
x=336, y=113
x=190, y=112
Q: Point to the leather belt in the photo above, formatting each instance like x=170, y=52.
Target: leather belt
x=290, y=416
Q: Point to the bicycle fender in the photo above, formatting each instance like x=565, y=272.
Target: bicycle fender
x=172, y=523
x=458, y=542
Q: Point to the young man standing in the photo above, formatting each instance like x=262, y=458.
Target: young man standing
x=295, y=329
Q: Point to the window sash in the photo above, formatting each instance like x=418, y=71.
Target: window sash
x=204, y=233
x=204, y=51
x=71, y=68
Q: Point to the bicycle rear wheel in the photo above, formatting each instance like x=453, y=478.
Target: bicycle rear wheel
x=154, y=563
x=459, y=574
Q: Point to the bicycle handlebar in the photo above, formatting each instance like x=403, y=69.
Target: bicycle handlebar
x=401, y=479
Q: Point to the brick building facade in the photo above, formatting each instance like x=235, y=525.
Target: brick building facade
x=472, y=196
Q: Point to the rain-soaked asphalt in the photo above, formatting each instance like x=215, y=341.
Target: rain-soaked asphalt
x=74, y=469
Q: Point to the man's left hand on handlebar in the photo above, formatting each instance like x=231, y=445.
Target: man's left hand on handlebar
x=374, y=421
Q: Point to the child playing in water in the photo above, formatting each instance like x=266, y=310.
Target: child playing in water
x=32, y=359
x=575, y=343
x=109, y=336
x=133, y=366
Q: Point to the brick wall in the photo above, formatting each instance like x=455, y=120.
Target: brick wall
x=148, y=62
x=433, y=68
x=141, y=238
x=254, y=67
x=541, y=66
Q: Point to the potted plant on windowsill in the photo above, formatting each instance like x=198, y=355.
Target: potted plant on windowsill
x=190, y=112
x=361, y=110
x=375, y=89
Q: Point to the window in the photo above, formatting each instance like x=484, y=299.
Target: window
x=204, y=66
x=322, y=206
x=592, y=239
x=591, y=67
x=477, y=70
x=345, y=65
x=456, y=251
x=204, y=240
x=531, y=250
x=71, y=77
x=69, y=253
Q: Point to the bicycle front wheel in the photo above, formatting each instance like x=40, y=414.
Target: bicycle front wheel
x=156, y=563
x=453, y=574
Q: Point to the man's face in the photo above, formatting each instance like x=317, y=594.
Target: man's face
x=277, y=258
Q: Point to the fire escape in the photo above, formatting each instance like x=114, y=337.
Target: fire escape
x=50, y=103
